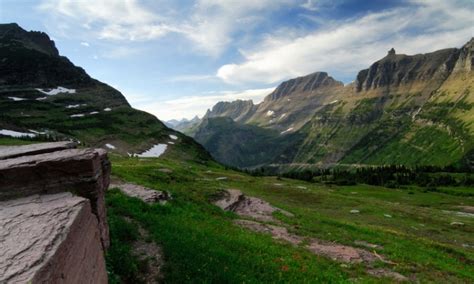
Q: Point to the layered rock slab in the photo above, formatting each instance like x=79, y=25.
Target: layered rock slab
x=50, y=239
x=84, y=172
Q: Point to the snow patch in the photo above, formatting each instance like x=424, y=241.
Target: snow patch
x=78, y=115
x=107, y=109
x=333, y=102
x=282, y=116
x=94, y=112
x=41, y=99
x=15, y=134
x=174, y=137
x=110, y=146
x=270, y=113
x=58, y=90
x=286, y=131
x=154, y=152
x=171, y=143
x=75, y=106
x=37, y=132
x=16, y=99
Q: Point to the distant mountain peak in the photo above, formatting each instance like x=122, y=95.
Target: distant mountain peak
x=306, y=83
x=391, y=52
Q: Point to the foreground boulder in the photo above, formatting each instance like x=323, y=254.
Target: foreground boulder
x=50, y=238
x=52, y=214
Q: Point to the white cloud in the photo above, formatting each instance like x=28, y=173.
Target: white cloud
x=209, y=24
x=188, y=107
x=86, y=44
x=346, y=47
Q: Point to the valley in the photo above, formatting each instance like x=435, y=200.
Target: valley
x=321, y=182
x=423, y=236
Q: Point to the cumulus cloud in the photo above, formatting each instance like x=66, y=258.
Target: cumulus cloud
x=188, y=107
x=86, y=44
x=348, y=46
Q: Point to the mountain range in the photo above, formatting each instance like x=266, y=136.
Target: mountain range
x=44, y=95
x=403, y=109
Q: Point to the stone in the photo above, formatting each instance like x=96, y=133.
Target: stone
x=50, y=239
x=234, y=200
x=84, y=172
x=146, y=194
x=8, y=152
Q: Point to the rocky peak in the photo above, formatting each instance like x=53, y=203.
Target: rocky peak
x=13, y=34
x=399, y=69
x=238, y=110
x=306, y=83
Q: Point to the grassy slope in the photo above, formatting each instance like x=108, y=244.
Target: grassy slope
x=202, y=245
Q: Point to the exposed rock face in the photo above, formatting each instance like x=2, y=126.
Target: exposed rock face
x=465, y=60
x=238, y=110
x=146, y=194
x=9, y=152
x=50, y=239
x=303, y=84
x=234, y=200
x=84, y=172
x=399, y=69
x=48, y=234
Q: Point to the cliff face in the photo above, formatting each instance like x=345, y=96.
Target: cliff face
x=308, y=83
x=394, y=70
x=238, y=110
x=52, y=214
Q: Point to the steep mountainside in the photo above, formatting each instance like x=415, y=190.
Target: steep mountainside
x=44, y=94
x=413, y=110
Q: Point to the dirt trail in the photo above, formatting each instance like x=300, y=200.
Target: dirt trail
x=148, y=253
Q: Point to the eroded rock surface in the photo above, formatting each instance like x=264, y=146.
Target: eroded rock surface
x=50, y=239
x=53, y=226
x=84, y=172
x=234, y=200
x=146, y=194
x=8, y=152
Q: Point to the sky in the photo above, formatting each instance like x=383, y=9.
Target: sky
x=177, y=58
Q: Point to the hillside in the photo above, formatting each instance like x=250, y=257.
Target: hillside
x=411, y=110
x=284, y=230
x=45, y=96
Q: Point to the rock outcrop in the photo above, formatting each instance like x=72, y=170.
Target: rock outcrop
x=50, y=238
x=394, y=70
x=52, y=214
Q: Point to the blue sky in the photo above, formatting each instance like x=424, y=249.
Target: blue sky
x=177, y=58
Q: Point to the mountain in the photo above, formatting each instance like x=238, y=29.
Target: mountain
x=44, y=94
x=184, y=125
x=411, y=110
